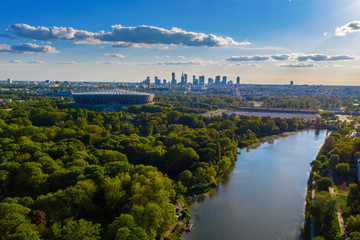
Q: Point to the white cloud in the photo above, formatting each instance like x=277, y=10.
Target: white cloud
x=36, y=62
x=300, y=65
x=66, y=62
x=108, y=62
x=27, y=48
x=181, y=57
x=348, y=28
x=247, y=58
x=293, y=56
x=190, y=62
x=116, y=55
x=16, y=61
x=322, y=57
x=166, y=57
x=49, y=34
x=124, y=36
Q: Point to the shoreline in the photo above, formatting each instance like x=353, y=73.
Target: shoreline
x=270, y=139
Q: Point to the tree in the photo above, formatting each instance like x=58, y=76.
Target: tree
x=323, y=184
x=76, y=230
x=342, y=168
x=185, y=178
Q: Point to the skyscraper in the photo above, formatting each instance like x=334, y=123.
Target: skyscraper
x=217, y=80
x=157, y=81
x=224, y=80
x=173, y=80
x=238, y=80
x=210, y=81
x=185, y=76
x=202, y=80
x=9, y=81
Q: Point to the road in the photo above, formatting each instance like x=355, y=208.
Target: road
x=312, y=225
x=340, y=218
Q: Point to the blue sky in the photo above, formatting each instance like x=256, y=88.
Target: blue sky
x=308, y=42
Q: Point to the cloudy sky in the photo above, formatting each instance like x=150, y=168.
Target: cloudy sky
x=277, y=41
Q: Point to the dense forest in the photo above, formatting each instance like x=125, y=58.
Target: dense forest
x=336, y=186
x=69, y=172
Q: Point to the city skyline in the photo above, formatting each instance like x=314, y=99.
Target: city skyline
x=263, y=42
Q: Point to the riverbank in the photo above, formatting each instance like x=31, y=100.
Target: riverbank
x=270, y=139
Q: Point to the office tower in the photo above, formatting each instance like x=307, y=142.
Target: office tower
x=173, y=80
x=157, y=81
x=182, y=82
x=237, y=80
x=202, y=80
x=230, y=82
x=217, y=80
x=194, y=79
x=185, y=75
x=224, y=80
x=210, y=81
x=164, y=81
x=9, y=81
x=291, y=83
x=47, y=81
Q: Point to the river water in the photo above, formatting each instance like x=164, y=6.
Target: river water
x=263, y=197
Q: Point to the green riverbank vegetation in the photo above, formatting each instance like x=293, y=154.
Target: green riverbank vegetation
x=70, y=172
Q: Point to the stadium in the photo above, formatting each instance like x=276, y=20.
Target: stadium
x=113, y=97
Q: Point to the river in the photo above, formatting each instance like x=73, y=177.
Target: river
x=263, y=198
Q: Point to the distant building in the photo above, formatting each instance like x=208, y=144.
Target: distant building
x=217, y=80
x=224, y=80
x=210, y=81
x=182, y=82
x=185, y=78
x=238, y=80
x=47, y=81
x=164, y=81
x=202, y=80
x=113, y=97
x=173, y=80
x=291, y=83
x=157, y=81
x=9, y=81
x=195, y=82
x=230, y=82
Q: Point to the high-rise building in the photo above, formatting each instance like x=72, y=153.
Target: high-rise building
x=291, y=83
x=47, y=81
x=9, y=81
x=195, y=81
x=157, y=81
x=164, y=81
x=238, y=80
x=217, y=80
x=173, y=80
x=182, y=82
x=210, y=81
x=202, y=80
x=224, y=80
x=185, y=78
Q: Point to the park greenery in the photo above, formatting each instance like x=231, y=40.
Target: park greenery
x=335, y=166
x=73, y=172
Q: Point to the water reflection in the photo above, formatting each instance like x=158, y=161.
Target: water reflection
x=263, y=196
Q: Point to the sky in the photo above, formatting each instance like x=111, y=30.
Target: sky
x=263, y=42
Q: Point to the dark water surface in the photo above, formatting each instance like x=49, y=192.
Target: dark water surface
x=263, y=197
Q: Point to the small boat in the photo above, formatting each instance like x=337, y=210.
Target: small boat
x=188, y=227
